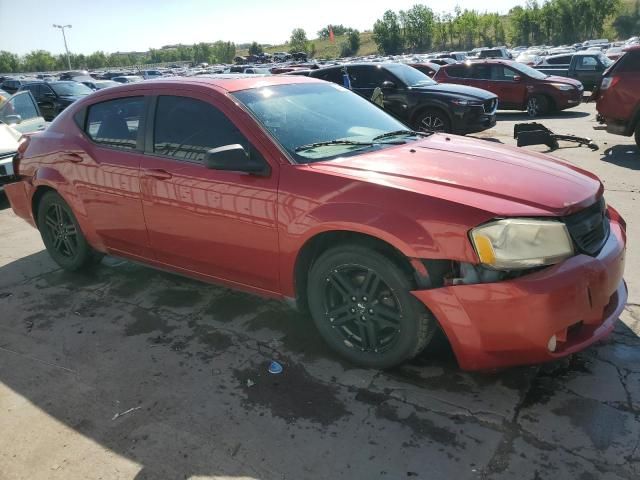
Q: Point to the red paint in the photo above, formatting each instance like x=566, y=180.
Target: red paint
x=514, y=94
x=422, y=198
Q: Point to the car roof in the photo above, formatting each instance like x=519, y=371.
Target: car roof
x=632, y=48
x=233, y=83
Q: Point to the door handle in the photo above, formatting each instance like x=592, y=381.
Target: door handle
x=157, y=173
x=71, y=157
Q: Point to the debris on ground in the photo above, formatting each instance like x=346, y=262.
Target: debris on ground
x=250, y=383
x=275, y=368
x=126, y=412
x=537, y=134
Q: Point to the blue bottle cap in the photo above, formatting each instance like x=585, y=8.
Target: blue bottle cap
x=275, y=368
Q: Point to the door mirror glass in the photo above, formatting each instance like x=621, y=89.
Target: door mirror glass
x=234, y=158
x=12, y=119
x=388, y=85
x=517, y=78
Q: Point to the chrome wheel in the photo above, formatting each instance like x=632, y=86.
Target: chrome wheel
x=62, y=231
x=533, y=107
x=432, y=123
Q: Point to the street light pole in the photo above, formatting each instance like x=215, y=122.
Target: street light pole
x=64, y=37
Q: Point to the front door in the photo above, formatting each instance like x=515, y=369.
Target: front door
x=508, y=85
x=217, y=223
x=21, y=113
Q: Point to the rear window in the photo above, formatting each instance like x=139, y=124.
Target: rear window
x=115, y=123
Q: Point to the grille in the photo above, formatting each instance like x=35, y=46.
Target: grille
x=589, y=228
x=490, y=105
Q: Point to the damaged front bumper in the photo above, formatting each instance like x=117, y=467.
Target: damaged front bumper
x=536, y=318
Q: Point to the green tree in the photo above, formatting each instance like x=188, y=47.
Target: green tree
x=298, y=41
x=626, y=24
x=418, y=27
x=353, y=40
x=387, y=34
x=9, y=62
x=255, y=49
x=39, y=61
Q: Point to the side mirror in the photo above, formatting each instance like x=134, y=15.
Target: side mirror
x=387, y=85
x=234, y=158
x=12, y=119
x=517, y=78
x=50, y=95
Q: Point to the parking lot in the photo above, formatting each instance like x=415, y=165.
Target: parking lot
x=133, y=373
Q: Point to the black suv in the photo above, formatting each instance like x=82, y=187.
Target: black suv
x=415, y=99
x=53, y=97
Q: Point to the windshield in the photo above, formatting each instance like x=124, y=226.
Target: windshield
x=606, y=61
x=70, y=88
x=531, y=72
x=304, y=114
x=409, y=75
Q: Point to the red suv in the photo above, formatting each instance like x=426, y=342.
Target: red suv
x=619, y=95
x=518, y=86
x=298, y=189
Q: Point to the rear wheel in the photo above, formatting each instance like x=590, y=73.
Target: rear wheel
x=433, y=120
x=537, y=105
x=361, y=304
x=62, y=236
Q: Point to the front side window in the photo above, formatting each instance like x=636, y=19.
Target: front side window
x=321, y=121
x=186, y=128
x=587, y=63
x=21, y=104
x=115, y=123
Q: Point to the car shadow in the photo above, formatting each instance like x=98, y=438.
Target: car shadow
x=627, y=156
x=184, y=363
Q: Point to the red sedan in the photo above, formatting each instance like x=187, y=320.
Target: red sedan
x=298, y=189
x=517, y=86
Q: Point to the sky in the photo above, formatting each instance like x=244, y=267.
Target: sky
x=137, y=25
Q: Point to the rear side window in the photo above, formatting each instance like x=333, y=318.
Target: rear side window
x=115, y=123
x=330, y=75
x=458, y=71
x=185, y=128
x=564, y=60
x=481, y=72
x=629, y=62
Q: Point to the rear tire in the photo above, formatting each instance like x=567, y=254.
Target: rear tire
x=537, y=105
x=432, y=120
x=62, y=236
x=361, y=304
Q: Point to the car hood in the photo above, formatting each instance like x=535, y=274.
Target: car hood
x=565, y=80
x=456, y=90
x=498, y=179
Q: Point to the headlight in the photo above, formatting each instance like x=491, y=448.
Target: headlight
x=522, y=243
x=563, y=86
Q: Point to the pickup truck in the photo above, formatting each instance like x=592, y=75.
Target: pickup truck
x=587, y=67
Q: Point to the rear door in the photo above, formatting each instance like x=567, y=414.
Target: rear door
x=106, y=171
x=480, y=75
x=22, y=113
x=216, y=223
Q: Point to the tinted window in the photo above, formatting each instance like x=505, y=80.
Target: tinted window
x=115, y=122
x=44, y=89
x=629, y=62
x=22, y=105
x=458, y=71
x=500, y=72
x=185, y=128
x=481, y=72
x=368, y=77
x=330, y=75
x=563, y=60
x=33, y=88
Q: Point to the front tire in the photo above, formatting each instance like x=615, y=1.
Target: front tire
x=537, y=105
x=62, y=236
x=433, y=120
x=361, y=304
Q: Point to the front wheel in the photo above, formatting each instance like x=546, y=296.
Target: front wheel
x=537, y=105
x=62, y=236
x=361, y=304
x=433, y=120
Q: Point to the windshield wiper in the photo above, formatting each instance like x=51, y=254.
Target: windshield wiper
x=333, y=142
x=401, y=132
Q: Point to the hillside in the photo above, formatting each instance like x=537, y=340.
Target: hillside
x=326, y=49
